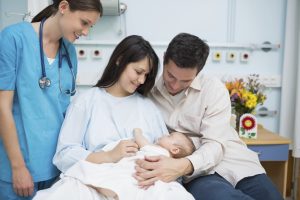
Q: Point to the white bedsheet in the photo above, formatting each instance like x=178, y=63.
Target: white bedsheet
x=74, y=184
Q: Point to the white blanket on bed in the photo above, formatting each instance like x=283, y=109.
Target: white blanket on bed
x=75, y=183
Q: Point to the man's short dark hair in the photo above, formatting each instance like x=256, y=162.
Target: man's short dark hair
x=187, y=51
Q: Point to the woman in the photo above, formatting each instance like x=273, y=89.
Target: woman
x=37, y=76
x=112, y=109
x=108, y=113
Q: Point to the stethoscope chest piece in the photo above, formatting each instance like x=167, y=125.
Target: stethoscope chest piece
x=44, y=82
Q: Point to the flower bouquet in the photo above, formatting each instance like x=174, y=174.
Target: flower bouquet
x=245, y=95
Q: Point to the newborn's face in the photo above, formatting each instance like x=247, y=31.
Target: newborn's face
x=167, y=141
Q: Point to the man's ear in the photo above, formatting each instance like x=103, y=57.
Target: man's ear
x=174, y=150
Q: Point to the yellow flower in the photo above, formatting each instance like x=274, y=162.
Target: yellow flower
x=252, y=97
x=245, y=95
x=250, y=104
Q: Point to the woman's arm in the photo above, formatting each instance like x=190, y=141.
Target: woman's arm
x=71, y=145
x=22, y=180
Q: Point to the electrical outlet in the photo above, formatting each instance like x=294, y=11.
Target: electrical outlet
x=96, y=54
x=271, y=81
x=217, y=56
x=231, y=56
x=244, y=56
x=81, y=53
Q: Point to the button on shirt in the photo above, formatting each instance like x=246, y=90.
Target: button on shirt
x=205, y=109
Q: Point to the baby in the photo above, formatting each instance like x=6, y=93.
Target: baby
x=178, y=144
x=175, y=144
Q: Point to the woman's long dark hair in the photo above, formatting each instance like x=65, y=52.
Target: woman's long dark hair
x=82, y=5
x=131, y=49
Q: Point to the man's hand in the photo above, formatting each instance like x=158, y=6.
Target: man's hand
x=22, y=182
x=162, y=168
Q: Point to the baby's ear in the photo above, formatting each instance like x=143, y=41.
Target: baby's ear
x=174, y=150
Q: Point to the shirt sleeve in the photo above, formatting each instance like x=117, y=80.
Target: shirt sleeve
x=71, y=147
x=8, y=60
x=215, y=129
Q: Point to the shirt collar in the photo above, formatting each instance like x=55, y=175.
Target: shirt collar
x=196, y=83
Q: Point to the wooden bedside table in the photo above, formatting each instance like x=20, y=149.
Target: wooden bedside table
x=273, y=151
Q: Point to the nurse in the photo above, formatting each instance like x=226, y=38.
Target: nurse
x=37, y=77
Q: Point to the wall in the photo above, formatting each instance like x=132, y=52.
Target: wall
x=11, y=12
x=229, y=26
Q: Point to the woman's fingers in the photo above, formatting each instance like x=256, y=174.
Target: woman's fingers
x=131, y=150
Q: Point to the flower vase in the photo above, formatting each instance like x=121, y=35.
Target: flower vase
x=237, y=121
x=247, y=127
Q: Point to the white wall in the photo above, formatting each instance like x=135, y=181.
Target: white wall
x=11, y=11
x=35, y=6
x=217, y=21
x=229, y=22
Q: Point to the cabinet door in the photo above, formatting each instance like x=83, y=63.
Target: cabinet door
x=271, y=152
x=14, y=11
x=11, y=12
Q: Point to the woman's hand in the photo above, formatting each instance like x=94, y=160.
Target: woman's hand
x=125, y=148
x=22, y=181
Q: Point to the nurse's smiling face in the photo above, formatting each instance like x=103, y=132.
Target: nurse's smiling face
x=74, y=24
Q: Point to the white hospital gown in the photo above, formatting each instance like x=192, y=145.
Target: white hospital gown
x=96, y=118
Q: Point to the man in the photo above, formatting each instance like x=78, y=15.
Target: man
x=222, y=167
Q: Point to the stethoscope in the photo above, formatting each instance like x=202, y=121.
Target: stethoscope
x=44, y=81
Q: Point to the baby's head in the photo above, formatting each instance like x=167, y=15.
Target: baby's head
x=178, y=144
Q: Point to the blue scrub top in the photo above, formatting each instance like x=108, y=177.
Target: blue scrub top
x=38, y=113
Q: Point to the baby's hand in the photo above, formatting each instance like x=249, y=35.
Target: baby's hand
x=137, y=132
x=139, y=137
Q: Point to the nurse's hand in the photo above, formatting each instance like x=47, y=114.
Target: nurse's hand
x=22, y=181
x=125, y=148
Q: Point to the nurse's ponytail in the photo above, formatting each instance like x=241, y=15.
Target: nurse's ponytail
x=82, y=5
x=47, y=12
